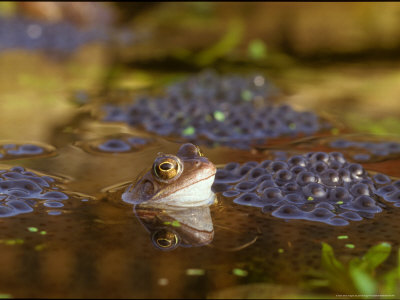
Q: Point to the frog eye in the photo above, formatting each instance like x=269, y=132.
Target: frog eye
x=165, y=239
x=166, y=168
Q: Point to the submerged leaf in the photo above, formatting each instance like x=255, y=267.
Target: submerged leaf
x=329, y=262
x=375, y=256
x=363, y=282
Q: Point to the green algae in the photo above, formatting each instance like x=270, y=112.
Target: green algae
x=239, y=272
x=195, y=272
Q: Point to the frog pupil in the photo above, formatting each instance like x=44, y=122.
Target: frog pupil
x=166, y=166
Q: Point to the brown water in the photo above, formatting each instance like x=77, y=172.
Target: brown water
x=98, y=248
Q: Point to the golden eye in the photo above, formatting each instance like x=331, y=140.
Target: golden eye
x=165, y=240
x=166, y=168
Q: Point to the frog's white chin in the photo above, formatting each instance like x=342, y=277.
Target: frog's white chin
x=198, y=194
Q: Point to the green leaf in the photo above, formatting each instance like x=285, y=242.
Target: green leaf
x=329, y=262
x=363, y=282
x=375, y=256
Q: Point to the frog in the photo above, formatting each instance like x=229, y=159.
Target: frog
x=178, y=181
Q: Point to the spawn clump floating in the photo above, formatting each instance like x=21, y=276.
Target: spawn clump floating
x=60, y=37
x=378, y=149
x=225, y=110
x=21, y=190
x=317, y=186
x=15, y=150
x=120, y=143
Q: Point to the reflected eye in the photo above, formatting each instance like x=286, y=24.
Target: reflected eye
x=166, y=168
x=165, y=240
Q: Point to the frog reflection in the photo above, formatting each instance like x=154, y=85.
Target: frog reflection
x=172, y=199
x=189, y=227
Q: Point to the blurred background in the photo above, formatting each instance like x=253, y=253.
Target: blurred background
x=339, y=59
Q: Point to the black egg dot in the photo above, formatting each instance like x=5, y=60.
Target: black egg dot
x=366, y=204
x=319, y=156
x=359, y=189
x=244, y=170
x=393, y=197
x=221, y=174
x=263, y=178
x=315, y=190
x=251, y=164
x=232, y=166
x=114, y=145
x=396, y=184
x=320, y=213
x=344, y=175
x=256, y=172
x=336, y=157
x=219, y=187
x=385, y=190
x=277, y=165
x=291, y=187
x=246, y=186
x=339, y=194
x=264, y=164
x=319, y=167
x=250, y=199
x=295, y=198
x=305, y=177
x=297, y=160
x=356, y=170
x=330, y=177
x=297, y=169
x=272, y=193
x=283, y=175
x=288, y=211
x=266, y=184
x=381, y=179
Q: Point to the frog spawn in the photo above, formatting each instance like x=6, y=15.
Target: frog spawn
x=211, y=109
x=21, y=189
x=13, y=151
x=317, y=186
x=377, y=149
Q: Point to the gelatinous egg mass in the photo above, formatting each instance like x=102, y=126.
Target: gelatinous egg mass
x=21, y=191
x=378, y=149
x=115, y=144
x=217, y=110
x=15, y=150
x=55, y=37
x=316, y=186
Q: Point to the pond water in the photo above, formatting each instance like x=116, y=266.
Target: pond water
x=75, y=236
